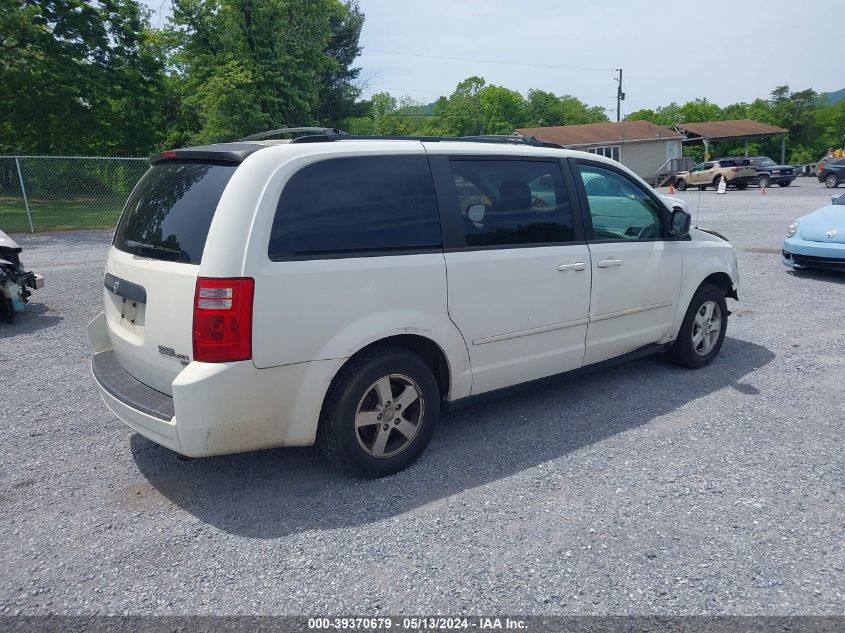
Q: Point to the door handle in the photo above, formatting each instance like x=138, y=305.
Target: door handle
x=607, y=263
x=575, y=266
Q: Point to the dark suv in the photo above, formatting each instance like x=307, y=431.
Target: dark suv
x=832, y=172
x=768, y=171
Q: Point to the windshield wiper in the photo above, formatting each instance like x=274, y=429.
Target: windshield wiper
x=152, y=247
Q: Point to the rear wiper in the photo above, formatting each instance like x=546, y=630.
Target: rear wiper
x=152, y=247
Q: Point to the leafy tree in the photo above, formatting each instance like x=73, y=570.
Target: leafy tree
x=338, y=90
x=461, y=112
x=544, y=109
x=249, y=65
x=79, y=76
x=498, y=109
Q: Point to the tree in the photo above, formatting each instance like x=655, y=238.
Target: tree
x=461, y=112
x=250, y=65
x=544, y=109
x=499, y=109
x=338, y=91
x=79, y=77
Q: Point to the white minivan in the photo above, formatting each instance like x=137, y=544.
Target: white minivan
x=343, y=290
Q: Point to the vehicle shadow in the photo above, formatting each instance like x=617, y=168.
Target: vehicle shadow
x=819, y=274
x=278, y=492
x=36, y=316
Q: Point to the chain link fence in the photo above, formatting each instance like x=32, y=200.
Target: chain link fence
x=42, y=193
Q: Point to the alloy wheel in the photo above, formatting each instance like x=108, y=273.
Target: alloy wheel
x=706, y=327
x=389, y=415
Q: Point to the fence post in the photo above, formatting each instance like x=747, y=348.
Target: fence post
x=23, y=191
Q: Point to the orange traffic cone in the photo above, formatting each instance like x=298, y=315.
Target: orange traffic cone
x=763, y=189
x=671, y=188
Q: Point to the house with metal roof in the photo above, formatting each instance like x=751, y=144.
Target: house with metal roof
x=651, y=151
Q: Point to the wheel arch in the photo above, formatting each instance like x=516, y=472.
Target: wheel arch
x=430, y=352
x=720, y=280
x=711, y=269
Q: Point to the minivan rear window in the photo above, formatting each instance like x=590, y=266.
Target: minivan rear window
x=346, y=207
x=169, y=213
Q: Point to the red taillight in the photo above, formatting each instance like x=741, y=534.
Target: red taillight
x=821, y=167
x=223, y=319
x=736, y=168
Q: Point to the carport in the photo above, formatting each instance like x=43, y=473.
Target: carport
x=741, y=129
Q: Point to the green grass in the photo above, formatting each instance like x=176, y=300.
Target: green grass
x=58, y=214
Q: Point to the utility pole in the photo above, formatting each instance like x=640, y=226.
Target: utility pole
x=620, y=96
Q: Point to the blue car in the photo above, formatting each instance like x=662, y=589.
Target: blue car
x=817, y=240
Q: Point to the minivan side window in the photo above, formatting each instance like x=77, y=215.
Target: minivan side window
x=512, y=202
x=619, y=208
x=357, y=205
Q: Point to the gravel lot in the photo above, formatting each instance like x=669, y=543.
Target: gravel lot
x=646, y=489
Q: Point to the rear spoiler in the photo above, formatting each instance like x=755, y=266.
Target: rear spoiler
x=224, y=152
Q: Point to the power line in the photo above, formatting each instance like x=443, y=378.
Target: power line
x=446, y=93
x=485, y=61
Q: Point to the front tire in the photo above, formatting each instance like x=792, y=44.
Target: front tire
x=831, y=181
x=703, y=329
x=380, y=412
x=763, y=181
x=742, y=186
x=681, y=185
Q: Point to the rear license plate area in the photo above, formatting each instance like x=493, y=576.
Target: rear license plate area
x=128, y=300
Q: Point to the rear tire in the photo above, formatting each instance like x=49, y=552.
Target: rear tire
x=831, y=181
x=742, y=186
x=7, y=310
x=681, y=185
x=380, y=412
x=703, y=329
x=784, y=183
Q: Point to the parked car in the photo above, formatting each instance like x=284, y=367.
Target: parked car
x=832, y=172
x=15, y=281
x=768, y=171
x=344, y=290
x=710, y=173
x=817, y=240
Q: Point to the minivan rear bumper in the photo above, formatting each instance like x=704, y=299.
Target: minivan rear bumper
x=147, y=411
x=216, y=408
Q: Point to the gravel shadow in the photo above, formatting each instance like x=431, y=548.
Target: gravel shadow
x=273, y=493
x=819, y=274
x=35, y=317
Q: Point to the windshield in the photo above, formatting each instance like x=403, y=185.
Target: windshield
x=766, y=162
x=169, y=213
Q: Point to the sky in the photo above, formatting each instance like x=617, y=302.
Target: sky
x=724, y=50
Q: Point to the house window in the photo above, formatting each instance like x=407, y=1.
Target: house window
x=609, y=151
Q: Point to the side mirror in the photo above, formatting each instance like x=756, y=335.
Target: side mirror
x=680, y=223
x=476, y=212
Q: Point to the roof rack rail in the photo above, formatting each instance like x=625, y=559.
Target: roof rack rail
x=504, y=139
x=326, y=131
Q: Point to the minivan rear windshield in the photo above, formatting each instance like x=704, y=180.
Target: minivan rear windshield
x=169, y=213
